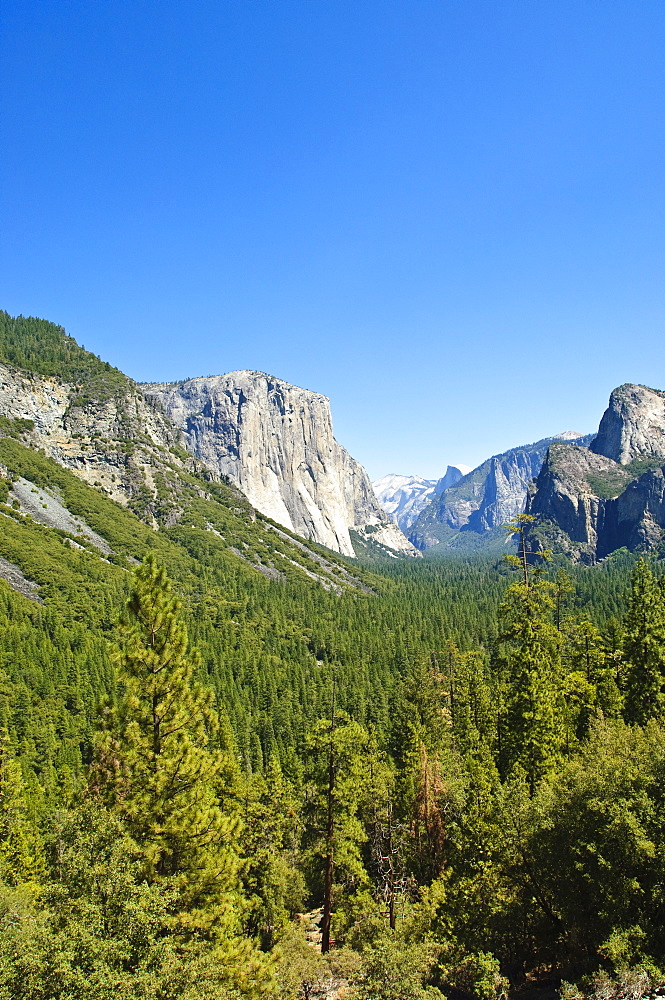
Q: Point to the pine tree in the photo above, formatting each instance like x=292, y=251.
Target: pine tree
x=644, y=647
x=270, y=839
x=160, y=770
x=532, y=731
x=21, y=850
x=333, y=833
x=590, y=683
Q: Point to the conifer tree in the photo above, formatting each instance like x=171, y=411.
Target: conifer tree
x=472, y=708
x=644, y=647
x=532, y=730
x=160, y=770
x=334, y=833
x=563, y=591
x=21, y=849
x=590, y=683
x=270, y=839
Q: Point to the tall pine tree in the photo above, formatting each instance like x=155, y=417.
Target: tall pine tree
x=644, y=647
x=163, y=775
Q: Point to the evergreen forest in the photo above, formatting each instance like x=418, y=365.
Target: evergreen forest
x=377, y=779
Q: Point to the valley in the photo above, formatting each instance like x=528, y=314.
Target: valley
x=236, y=691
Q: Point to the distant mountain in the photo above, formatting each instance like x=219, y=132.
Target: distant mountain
x=589, y=503
x=472, y=512
x=404, y=497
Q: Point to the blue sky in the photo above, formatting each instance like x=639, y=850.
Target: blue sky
x=446, y=216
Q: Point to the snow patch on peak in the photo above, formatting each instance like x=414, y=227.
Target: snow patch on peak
x=404, y=497
x=567, y=436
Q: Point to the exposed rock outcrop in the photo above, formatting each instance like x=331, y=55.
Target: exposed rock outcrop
x=121, y=444
x=18, y=581
x=638, y=515
x=275, y=442
x=633, y=425
x=571, y=495
x=452, y=475
x=590, y=503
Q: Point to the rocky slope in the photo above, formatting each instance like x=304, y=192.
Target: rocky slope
x=275, y=442
x=471, y=512
x=588, y=503
x=404, y=497
x=129, y=453
x=117, y=442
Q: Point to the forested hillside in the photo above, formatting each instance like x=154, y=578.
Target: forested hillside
x=209, y=728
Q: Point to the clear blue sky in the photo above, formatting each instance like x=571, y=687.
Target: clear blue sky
x=446, y=216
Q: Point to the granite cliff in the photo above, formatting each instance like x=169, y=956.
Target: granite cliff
x=473, y=511
x=275, y=442
x=633, y=425
x=588, y=503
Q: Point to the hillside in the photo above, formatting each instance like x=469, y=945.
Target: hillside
x=210, y=727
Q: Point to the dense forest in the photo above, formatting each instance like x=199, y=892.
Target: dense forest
x=413, y=779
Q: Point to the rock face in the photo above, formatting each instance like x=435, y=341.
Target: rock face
x=633, y=425
x=485, y=499
x=121, y=444
x=572, y=493
x=275, y=442
x=638, y=515
x=590, y=503
x=452, y=475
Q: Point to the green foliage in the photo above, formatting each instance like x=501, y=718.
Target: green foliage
x=477, y=974
x=157, y=764
x=21, y=848
x=14, y=428
x=336, y=758
x=639, y=466
x=35, y=345
x=599, y=848
x=302, y=971
x=610, y=483
x=644, y=647
x=395, y=970
x=269, y=842
x=98, y=930
x=532, y=731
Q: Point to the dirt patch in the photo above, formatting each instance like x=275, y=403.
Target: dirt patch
x=44, y=506
x=18, y=582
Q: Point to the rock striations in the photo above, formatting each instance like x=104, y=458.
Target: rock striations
x=588, y=503
x=472, y=512
x=275, y=442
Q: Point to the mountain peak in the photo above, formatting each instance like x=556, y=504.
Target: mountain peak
x=633, y=425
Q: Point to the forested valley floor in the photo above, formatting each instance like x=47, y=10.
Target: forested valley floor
x=462, y=770
x=233, y=765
